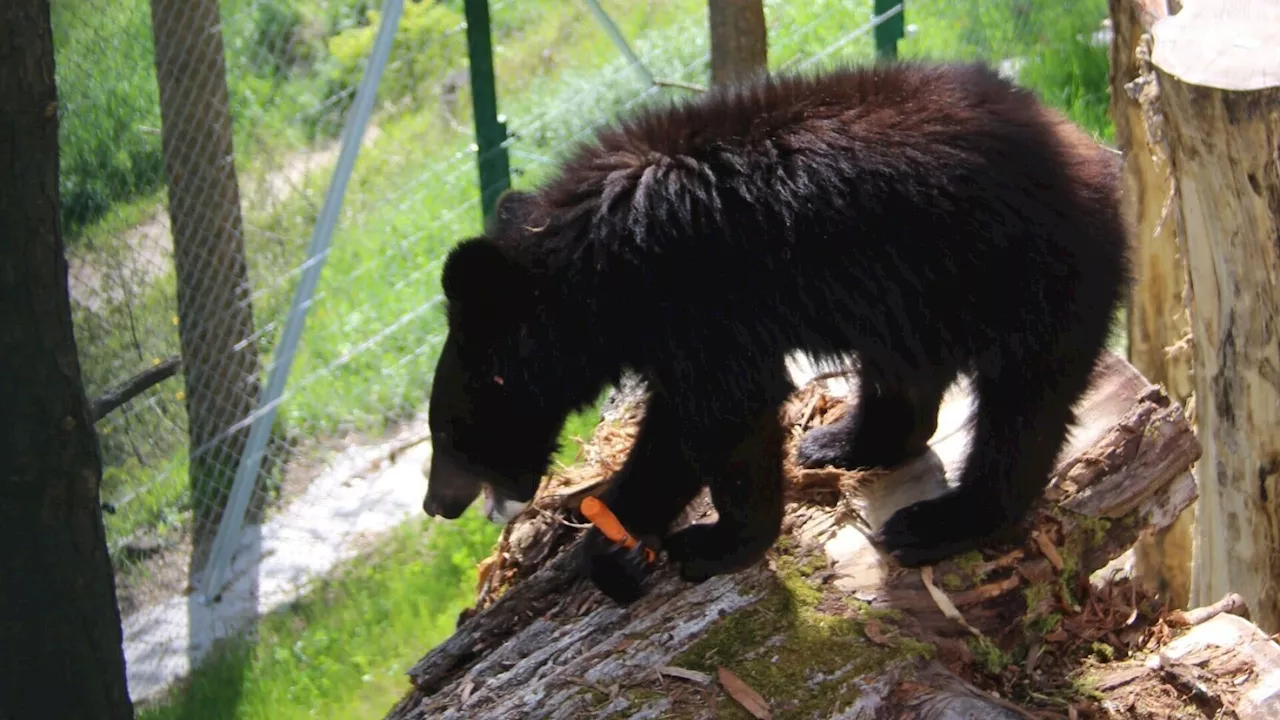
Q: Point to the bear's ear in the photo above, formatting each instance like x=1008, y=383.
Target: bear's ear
x=480, y=277
x=512, y=209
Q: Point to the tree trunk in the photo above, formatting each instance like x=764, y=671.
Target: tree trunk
x=60, y=638
x=219, y=354
x=1218, y=69
x=1157, y=318
x=739, y=41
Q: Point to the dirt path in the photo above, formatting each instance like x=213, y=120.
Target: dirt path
x=100, y=277
x=357, y=497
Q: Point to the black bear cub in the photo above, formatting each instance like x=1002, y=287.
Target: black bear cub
x=917, y=221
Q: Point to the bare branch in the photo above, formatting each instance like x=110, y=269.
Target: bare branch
x=134, y=386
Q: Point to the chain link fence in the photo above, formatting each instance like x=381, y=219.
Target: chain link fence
x=198, y=139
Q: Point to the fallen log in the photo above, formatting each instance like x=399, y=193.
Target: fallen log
x=827, y=626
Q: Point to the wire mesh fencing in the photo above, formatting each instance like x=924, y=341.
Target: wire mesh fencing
x=198, y=139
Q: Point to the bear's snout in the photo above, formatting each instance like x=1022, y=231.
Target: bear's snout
x=450, y=488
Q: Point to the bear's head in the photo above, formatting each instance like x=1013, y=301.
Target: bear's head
x=502, y=388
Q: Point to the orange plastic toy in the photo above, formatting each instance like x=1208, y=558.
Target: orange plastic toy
x=604, y=519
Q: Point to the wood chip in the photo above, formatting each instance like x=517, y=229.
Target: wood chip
x=875, y=633
x=684, y=674
x=1231, y=603
x=483, y=571
x=983, y=593
x=806, y=415
x=1008, y=560
x=749, y=699
x=823, y=479
x=1048, y=550
x=943, y=602
x=1033, y=658
x=1056, y=636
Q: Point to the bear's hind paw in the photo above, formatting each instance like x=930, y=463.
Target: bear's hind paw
x=702, y=552
x=930, y=531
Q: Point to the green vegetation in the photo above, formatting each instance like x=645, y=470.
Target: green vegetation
x=792, y=652
x=988, y=655
x=342, y=651
x=110, y=139
x=109, y=135
x=1051, y=43
x=367, y=355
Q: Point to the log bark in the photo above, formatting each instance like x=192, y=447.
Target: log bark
x=1218, y=69
x=1158, y=326
x=60, y=638
x=739, y=40
x=826, y=626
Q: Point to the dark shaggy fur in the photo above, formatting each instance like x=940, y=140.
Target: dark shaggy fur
x=927, y=220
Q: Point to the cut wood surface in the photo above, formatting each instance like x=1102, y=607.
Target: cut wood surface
x=827, y=626
x=1218, y=70
x=1229, y=46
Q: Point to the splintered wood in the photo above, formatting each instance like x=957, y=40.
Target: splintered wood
x=829, y=627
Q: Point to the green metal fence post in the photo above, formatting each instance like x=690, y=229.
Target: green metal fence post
x=494, y=166
x=890, y=30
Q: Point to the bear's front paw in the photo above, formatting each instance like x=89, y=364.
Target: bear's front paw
x=826, y=445
x=933, y=530
x=704, y=551
x=616, y=572
x=837, y=446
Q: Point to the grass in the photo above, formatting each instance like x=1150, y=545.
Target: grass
x=368, y=351
x=280, y=80
x=342, y=651
x=1052, y=41
x=1073, y=76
